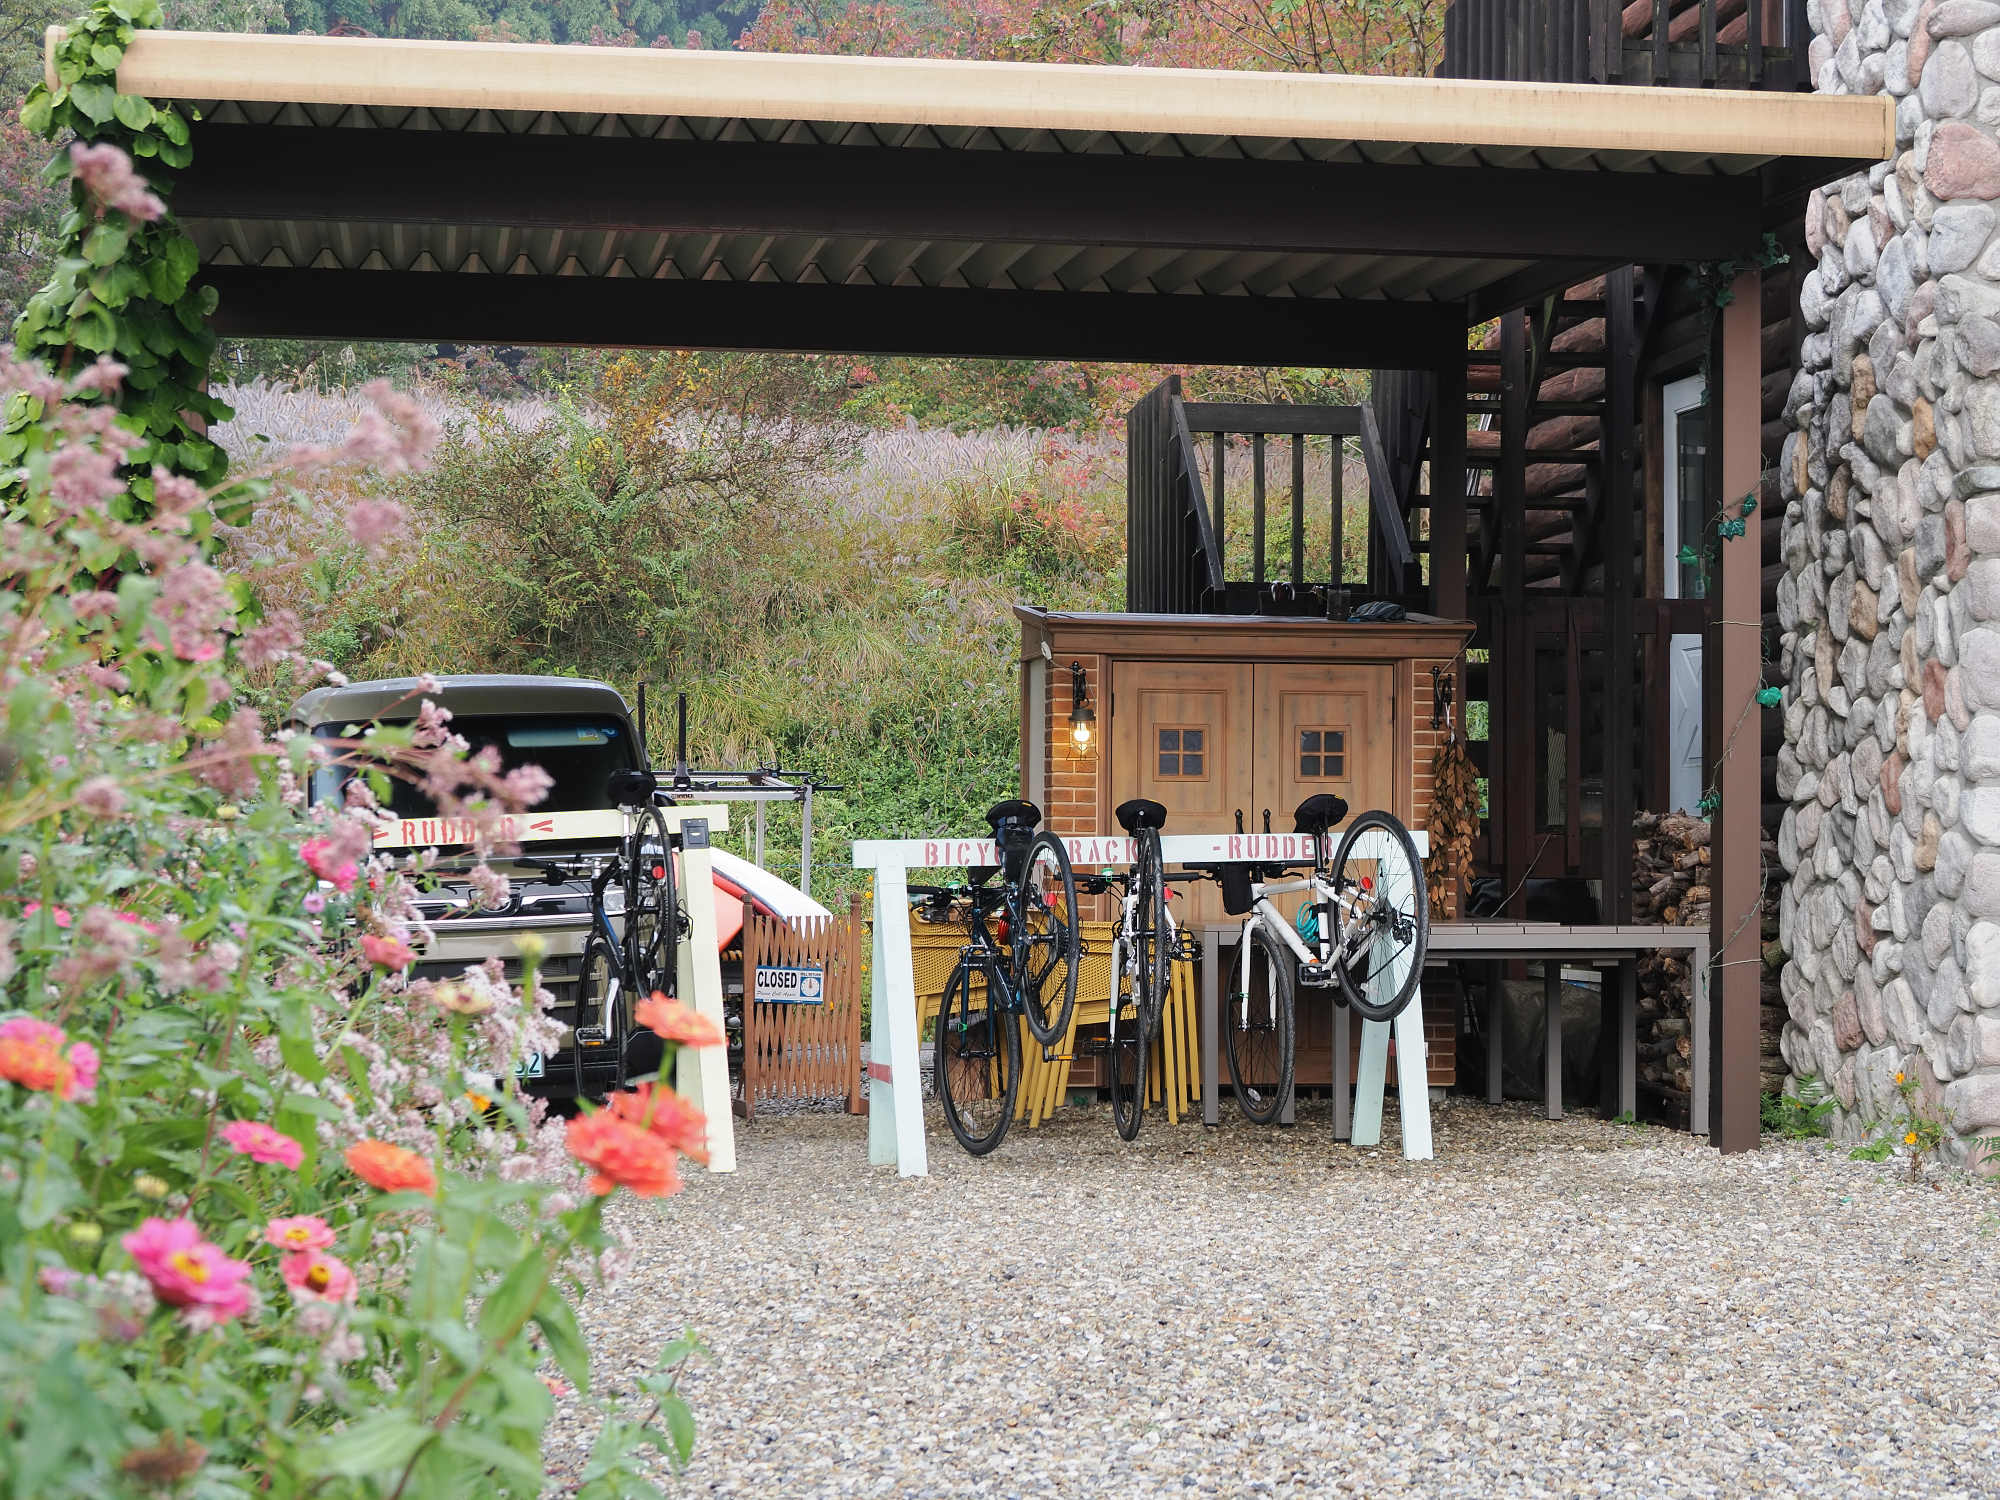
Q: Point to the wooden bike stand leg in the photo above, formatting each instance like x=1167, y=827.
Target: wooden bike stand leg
x=701, y=1074
x=895, y=1075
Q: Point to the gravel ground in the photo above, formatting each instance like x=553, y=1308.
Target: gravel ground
x=1546, y=1309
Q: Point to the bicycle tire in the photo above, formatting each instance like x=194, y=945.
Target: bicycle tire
x=1046, y=946
x=1258, y=1034
x=1402, y=912
x=651, y=938
x=974, y=1035
x=1125, y=1047
x=1154, y=960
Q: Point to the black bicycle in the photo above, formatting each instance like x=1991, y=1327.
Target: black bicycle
x=627, y=960
x=1021, y=961
x=1142, y=955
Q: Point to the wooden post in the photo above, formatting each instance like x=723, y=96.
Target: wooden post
x=751, y=1076
x=1448, y=488
x=1215, y=476
x=1620, y=717
x=1257, y=501
x=857, y=921
x=1517, y=675
x=1298, y=510
x=1733, y=659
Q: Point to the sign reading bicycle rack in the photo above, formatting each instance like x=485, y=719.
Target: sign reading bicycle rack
x=790, y=984
x=895, y=1081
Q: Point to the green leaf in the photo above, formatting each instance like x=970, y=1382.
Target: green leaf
x=557, y=1320
x=133, y=112
x=36, y=112
x=96, y=100
x=506, y=1308
x=94, y=331
x=106, y=243
x=107, y=58
x=387, y=1440
x=482, y=1453
x=680, y=1427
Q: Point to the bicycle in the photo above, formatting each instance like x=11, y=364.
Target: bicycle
x=1363, y=931
x=1141, y=957
x=1031, y=944
x=626, y=961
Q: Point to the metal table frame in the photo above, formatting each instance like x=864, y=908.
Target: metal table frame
x=1612, y=949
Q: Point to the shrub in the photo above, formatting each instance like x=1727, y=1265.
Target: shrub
x=273, y=1220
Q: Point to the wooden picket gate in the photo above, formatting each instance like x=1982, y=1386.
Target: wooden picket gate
x=797, y=1051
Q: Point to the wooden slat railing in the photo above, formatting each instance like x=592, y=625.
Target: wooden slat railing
x=1756, y=44
x=794, y=1053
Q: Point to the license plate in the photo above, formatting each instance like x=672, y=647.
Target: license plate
x=529, y=1066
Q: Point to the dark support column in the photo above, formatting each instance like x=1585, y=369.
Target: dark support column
x=1516, y=675
x=1447, y=491
x=1732, y=659
x=1620, y=503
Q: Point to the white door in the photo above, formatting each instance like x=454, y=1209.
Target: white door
x=1687, y=511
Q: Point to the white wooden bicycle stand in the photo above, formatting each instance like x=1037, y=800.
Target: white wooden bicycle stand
x=895, y=1077
x=701, y=1074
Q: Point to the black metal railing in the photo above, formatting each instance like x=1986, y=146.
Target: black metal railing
x=1744, y=44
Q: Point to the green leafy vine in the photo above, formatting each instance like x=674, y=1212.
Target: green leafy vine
x=123, y=285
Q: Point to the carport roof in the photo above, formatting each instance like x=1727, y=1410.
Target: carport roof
x=365, y=188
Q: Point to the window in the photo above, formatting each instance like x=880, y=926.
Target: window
x=1322, y=754
x=1184, y=753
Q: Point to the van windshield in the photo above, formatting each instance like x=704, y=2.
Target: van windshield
x=579, y=752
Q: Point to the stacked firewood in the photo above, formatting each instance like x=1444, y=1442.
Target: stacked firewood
x=1671, y=886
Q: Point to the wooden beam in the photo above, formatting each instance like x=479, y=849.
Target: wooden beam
x=1733, y=658
x=1245, y=416
x=578, y=311
x=594, y=183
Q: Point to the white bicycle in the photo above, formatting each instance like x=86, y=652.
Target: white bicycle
x=1363, y=931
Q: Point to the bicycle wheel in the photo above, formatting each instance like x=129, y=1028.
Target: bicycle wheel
x=1382, y=940
x=1125, y=1045
x=1046, y=948
x=978, y=1062
x=652, y=926
x=1257, y=1028
x=1152, y=942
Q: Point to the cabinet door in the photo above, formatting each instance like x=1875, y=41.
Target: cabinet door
x=1181, y=736
x=1324, y=729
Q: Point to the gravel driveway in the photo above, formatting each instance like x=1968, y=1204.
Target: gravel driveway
x=1547, y=1309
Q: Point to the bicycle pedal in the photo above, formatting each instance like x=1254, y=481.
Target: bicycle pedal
x=1053, y=1057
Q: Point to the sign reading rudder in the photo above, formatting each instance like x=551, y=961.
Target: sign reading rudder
x=791, y=984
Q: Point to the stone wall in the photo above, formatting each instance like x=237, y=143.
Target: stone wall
x=1890, y=601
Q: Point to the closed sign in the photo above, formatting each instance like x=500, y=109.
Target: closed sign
x=802, y=984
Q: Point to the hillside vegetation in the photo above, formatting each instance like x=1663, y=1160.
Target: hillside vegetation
x=835, y=598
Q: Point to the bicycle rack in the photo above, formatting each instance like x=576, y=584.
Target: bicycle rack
x=895, y=1083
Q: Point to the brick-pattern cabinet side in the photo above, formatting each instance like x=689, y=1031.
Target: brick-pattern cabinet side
x=1075, y=779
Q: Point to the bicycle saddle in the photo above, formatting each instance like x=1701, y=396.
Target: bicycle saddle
x=1319, y=813
x=1140, y=813
x=1378, y=612
x=631, y=788
x=1013, y=810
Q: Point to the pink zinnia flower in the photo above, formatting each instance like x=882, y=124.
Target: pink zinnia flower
x=318, y=1277
x=387, y=953
x=38, y=1056
x=185, y=1270
x=330, y=864
x=260, y=1142
x=303, y=1232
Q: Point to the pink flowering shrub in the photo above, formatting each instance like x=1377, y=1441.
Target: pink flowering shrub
x=273, y=1219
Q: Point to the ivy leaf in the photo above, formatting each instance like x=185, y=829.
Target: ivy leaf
x=133, y=112
x=97, y=100
x=106, y=243
x=94, y=331
x=1770, y=697
x=107, y=58
x=1688, y=559
x=36, y=112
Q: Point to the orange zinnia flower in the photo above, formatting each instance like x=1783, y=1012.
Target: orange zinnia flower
x=668, y=1116
x=676, y=1023
x=391, y=1168
x=40, y=1068
x=623, y=1155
